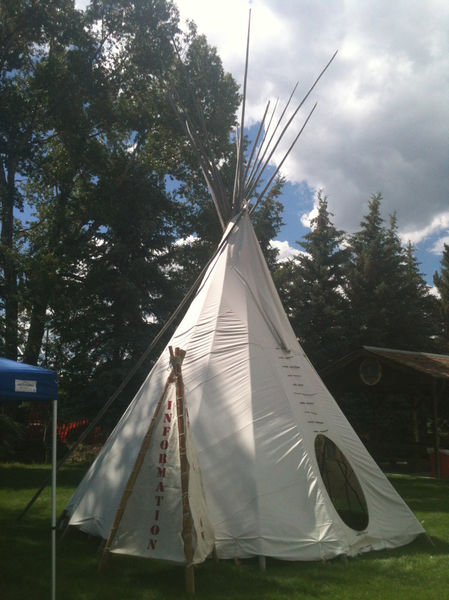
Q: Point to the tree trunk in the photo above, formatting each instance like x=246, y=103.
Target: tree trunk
x=9, y=263
x=42, y=288
x=36, y=331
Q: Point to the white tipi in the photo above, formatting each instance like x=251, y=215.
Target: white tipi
x=283, y=472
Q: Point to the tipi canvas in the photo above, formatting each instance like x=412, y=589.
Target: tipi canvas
x=164, y=490
x=256, y=408
x=283, y=473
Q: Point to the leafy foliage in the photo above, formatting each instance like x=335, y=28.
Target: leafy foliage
x=88, y=142
x=98, y=184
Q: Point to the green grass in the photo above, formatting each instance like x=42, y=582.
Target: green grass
x=419, y=570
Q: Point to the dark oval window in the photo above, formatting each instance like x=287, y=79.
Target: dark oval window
x=341, y=483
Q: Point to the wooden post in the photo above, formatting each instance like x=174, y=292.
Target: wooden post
x=414, y=405
x=375, y=419
x=436, y=435
x=187, y=524
x=132, y=478
x=190, y=580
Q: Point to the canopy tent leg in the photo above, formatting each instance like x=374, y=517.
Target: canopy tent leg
x=53, y=498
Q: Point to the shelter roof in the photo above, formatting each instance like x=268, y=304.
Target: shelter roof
x=435, y=365
x=398, y=370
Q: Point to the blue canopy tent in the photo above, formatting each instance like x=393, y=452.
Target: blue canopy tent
x=24, y=382
x=18, y=383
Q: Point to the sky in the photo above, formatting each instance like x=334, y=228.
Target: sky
x=382, y=119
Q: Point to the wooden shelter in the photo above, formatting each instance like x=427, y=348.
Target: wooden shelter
x=387, y=375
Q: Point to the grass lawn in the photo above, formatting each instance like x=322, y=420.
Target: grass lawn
x=419, y=571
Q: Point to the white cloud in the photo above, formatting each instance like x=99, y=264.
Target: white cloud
x=186, y=241
x=439, y=224
x=306, y=218
x=438, y=246
x=285, y=250
x=382, y=117
x=433, y=290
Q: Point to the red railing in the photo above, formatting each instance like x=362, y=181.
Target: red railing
x=67, y=432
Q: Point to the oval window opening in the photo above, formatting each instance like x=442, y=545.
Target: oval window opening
x=341, y=484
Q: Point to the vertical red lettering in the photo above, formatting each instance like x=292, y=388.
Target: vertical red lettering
x=161, y=472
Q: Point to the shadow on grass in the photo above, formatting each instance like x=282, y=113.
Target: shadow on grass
x=20, y=477
x=413, y=569
x=423, y=494
x=139, y=579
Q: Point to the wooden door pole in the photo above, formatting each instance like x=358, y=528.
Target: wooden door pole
x=187, y=525
x=133, y=476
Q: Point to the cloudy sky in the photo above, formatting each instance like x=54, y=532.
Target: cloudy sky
x=382, y=120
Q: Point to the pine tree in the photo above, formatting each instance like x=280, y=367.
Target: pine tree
x=369, y=279
x=312, y=287
x=419, y=306
x=401, y=293
x=441, y=281
x=390, y=301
